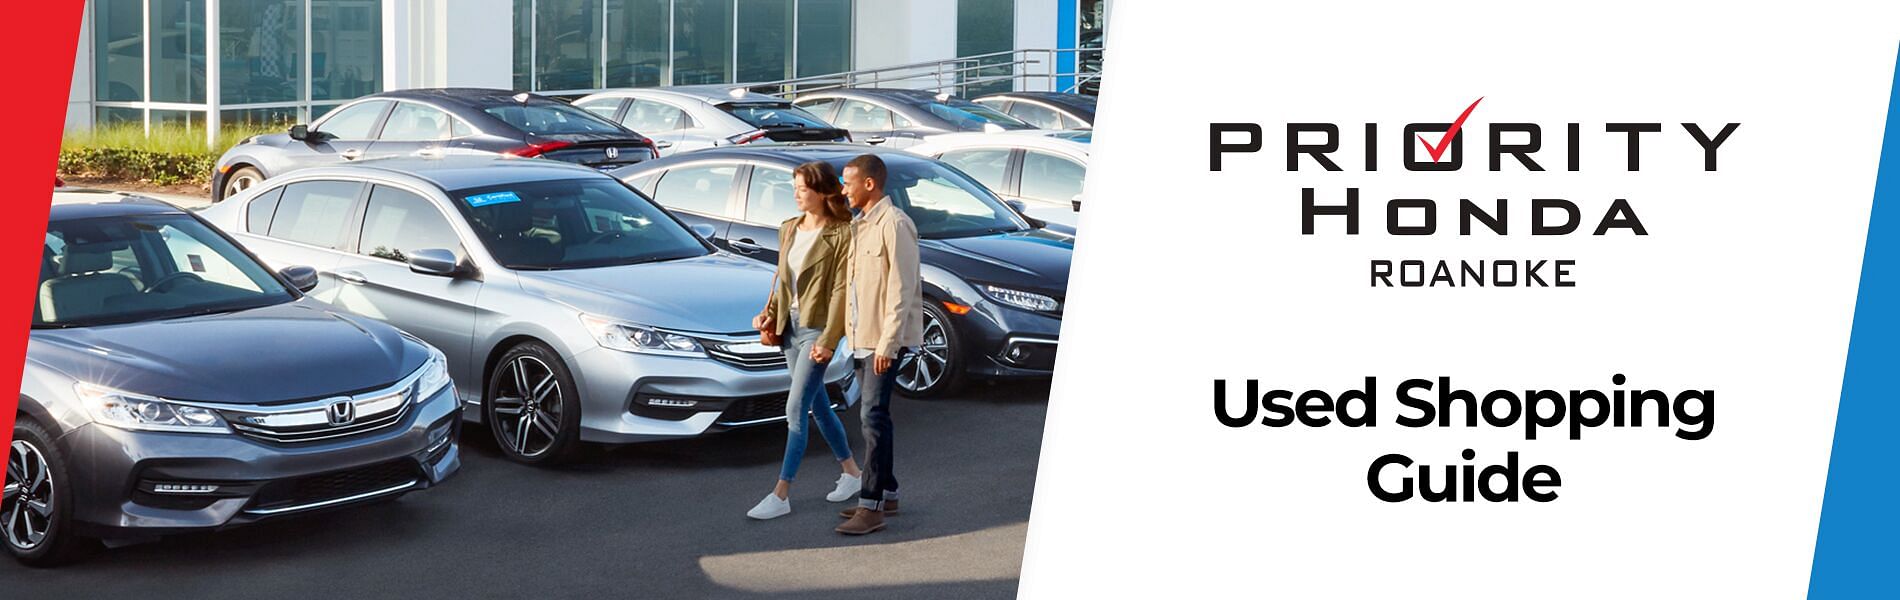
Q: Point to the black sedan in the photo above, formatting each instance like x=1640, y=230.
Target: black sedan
x=896, y=118
x=434, y=122
x=993, y=279
x=1045, y=110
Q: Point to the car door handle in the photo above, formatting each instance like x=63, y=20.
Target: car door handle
x=745, y=246
x=874, y=140
x=352, y=153
x=430, y=152
x=662, y=145
x=351, y=277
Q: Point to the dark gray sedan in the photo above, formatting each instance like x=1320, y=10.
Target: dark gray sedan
x=432, y=123
x=173, y=383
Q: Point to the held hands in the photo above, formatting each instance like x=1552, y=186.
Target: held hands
x=820, y=354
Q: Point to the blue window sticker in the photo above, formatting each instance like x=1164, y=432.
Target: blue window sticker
x=481, y=200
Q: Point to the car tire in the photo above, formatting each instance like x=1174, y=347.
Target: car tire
x=37, y=470
x=936, y=370
x=521, y=422
x=239, y=180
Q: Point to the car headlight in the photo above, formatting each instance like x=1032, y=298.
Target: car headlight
x=139, y=412
x=433, y=375
x=628, y=337
x=1021, y=299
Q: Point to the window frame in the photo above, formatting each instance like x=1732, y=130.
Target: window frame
x=360, y=218
x=345, y=238
x=741, y=176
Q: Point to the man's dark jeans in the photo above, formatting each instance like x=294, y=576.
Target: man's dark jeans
x=880, y=483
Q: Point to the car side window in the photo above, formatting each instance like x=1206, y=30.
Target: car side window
x=190, y=255
x=899, y=122
x=986, y=165
x=1040, y=116
x=769, y=197
x=415, y=123
x=643, y=183
x=355, y=122
x=459, y=128
x=257, y=214
x=649, y=116
x=398, y=222
x=702, y=189
x=605, y=107
x=862, y=116
x=315, y=212
x=1069, y=122
x=1051, y=178
x=821, y=107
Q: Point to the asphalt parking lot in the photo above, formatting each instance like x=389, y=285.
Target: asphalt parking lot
x=654, y=520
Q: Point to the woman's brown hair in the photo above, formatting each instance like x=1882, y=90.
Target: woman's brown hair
x=820, y=177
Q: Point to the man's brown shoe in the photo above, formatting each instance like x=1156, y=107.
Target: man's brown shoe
x=890, y=508
x=866, y=521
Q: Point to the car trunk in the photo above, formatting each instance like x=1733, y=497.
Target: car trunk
x=601, y=151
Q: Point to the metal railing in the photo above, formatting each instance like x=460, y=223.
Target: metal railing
x=958, y=75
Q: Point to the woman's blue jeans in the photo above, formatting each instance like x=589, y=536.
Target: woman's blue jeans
x=808, y=397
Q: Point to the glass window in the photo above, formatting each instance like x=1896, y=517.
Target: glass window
x=970, y=116
x=647, y=116
x=459, y=128
x=765, y=51
x=124, y=269
x=178, y=51
x=346, y=48
x=551, y=118
x=1051, y=178
x=397, y=223
x=257, y=214
x=410, y=122
x=356, y=122
x=824, y=37
x=858, y=115
x=261, y=48
x=247, y=121
x=944, y=203
x=702, y=189
x=773, y=114
x=899, y=122
x=1040, y=116
x=1069, y=122
x=524, y=44
x=636, y=42
x=119, y=52
x=702, y=42
x=567, y=44
x=769, y=199
x=985, y=26
x=110, y=116
x=986, y=165
x=821, y=107
x=314, y=212
x=573, y=223
x=602, y=107
x=179, y=120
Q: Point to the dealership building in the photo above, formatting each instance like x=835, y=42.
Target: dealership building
x=215, y=63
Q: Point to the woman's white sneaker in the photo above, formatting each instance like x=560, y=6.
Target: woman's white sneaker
x=848, y=488
x=771, y=507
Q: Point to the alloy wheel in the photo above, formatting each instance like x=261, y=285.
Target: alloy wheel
x=26, y=509
x=931, y=361
x=528, y=407
x=238, y=183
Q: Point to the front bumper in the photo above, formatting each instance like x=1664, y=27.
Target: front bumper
x=618, y=390
x=1001, y=342
x=125, y=482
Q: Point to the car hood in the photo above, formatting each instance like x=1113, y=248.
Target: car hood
x=286, y=352
x=1036, y=260
x=715, y=293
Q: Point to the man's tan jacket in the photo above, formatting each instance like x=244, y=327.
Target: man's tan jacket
x=887, y=310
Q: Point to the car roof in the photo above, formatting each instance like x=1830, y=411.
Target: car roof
x=710, y=94
x=459, y=172
x=791, y=154
x=891, y=94
x=115, y=206
x=466, y=97
x=1076, y=102
x=1059, y=140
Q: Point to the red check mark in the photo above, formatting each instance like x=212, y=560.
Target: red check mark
x=1445, y=142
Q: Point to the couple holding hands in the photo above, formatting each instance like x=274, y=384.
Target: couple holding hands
x=841, y=277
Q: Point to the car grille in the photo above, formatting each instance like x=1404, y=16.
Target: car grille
x=756, y=410
x=316, y=489
x=315, y=421
x=749, y=355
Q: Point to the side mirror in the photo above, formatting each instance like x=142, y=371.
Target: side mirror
x=704, y=230
x=301, y=277
x=435, y=261
x=300, y=132
x=1018, y=206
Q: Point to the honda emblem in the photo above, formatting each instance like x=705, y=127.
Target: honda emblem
x=342, y=412
x=612, y=153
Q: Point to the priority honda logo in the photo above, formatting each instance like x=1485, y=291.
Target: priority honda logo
x=341, y=412
x=1438, y=147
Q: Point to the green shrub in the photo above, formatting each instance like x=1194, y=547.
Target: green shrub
x=169, y=156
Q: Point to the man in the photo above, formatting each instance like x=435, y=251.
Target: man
x=884, y=323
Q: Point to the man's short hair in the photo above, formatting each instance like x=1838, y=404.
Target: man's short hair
x=869, y=166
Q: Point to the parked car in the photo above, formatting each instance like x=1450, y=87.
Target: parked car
x=571, y=309
x=897, y=118
x=1045, y=110
x=687, y=118
x=173, y=383
x=429, y=123
x=1040, y=172
x=994, y=280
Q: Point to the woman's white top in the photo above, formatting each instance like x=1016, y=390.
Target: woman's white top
x=795, y=260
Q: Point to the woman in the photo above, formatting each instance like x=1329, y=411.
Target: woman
x=806, y=308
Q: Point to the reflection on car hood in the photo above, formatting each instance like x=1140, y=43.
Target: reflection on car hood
x=1037, y=259
x=715, y=293
x=293, y=351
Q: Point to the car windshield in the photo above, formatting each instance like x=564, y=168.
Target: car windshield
x=551, y=119
x=970, y=116
x=945, y=203
x=573, y=224
x=769, y=115
x=109, y=270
